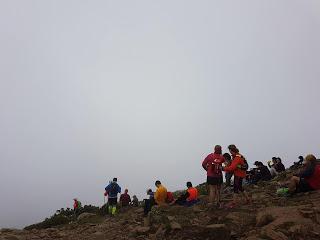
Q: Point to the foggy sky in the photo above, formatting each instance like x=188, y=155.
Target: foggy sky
x=143, y=90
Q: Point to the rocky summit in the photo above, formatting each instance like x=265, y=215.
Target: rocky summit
x=268, y=217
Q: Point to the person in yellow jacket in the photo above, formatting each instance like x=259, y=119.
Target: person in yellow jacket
x=160, y=195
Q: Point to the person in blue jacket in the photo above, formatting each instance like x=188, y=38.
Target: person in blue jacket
x=112, y=191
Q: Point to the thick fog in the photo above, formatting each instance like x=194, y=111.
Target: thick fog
x=143, y=90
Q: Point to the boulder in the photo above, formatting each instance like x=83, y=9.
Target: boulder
x=175, y=226
x=217, y=231
x=263, y=219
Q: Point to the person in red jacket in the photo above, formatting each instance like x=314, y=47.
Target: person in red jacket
x=213, y=165
x=237, y=167
x=309, y=177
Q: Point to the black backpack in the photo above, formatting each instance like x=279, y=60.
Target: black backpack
x=245, y=165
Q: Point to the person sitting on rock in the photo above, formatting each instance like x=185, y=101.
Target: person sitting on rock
x=213, y=166
x=160, y=196
x=112, y=190
x=189, y=198
x=262, y=172
x=238, y=168
x=279, y=165
x=308, y=179
x=271, y=165
x=125, y=199
x=135, y=201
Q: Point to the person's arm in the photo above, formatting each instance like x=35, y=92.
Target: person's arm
x=307, y=172
x=205, y=162
x=233, y=166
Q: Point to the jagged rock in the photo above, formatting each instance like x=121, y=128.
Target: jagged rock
x=139, y=210
x=274, y=235
x=98, y=236
x=171, y=218
x=175, y=226
x=264, y=219
x=141, y=230
x=85, y=216
x=218, y=231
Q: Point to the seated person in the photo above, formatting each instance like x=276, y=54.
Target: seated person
x=279, y=166
x=261, y=173
x=135, y=201
x=271, y=165
x=189, y=198
x=160, y=196
x=308, y=179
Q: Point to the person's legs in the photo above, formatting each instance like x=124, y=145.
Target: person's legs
x=294, y=182
x=211, y=193
x=218, y=187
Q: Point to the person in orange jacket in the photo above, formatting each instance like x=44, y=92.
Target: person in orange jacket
x=237, y=167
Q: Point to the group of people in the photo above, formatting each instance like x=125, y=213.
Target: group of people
x=233, y=164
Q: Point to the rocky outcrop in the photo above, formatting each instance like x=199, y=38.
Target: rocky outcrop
x=268, y=217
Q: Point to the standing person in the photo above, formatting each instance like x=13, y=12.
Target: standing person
x=160, y=196
x=125, y=199
x=148, y=203
x=76, y=206
x=213, y=165
x=238, y=167
x=228, y=175
x=112, y=190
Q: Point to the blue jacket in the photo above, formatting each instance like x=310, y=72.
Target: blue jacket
x=113, y=189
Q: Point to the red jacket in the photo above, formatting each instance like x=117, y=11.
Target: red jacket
x=213, y=165
x=314, y=180
x=236, y=161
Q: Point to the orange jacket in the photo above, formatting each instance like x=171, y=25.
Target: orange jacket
x=193, y=194
x=236, y=161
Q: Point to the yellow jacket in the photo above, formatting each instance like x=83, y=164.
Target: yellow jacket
x=161, y=195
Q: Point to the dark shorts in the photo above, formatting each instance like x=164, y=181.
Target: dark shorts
x=237, y=185
x=112, y=201
x=214, y=180
x=303, y=186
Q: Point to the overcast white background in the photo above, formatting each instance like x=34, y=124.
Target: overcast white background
x=143, y=90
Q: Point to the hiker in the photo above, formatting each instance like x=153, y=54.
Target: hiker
x=213, y=165
x=308, y=179
x=112, y=191
x=279, y=165
x=148, y=203
x=135, y=201
x=76, y=206
x=271, y=165
x=262, y=172
x=160, y=195
x=125, y=199
x=189, y=198
x=228, y=175
x=298, y=164
x=238, y=166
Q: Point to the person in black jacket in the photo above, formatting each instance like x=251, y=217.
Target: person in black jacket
x=262, y=172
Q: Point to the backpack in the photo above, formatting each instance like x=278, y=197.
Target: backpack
x=245, y=165
x=216, y=167
x=79, y=204
x=114, y=189
x=170, y=197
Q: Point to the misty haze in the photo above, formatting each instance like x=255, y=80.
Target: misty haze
x=144, y=90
